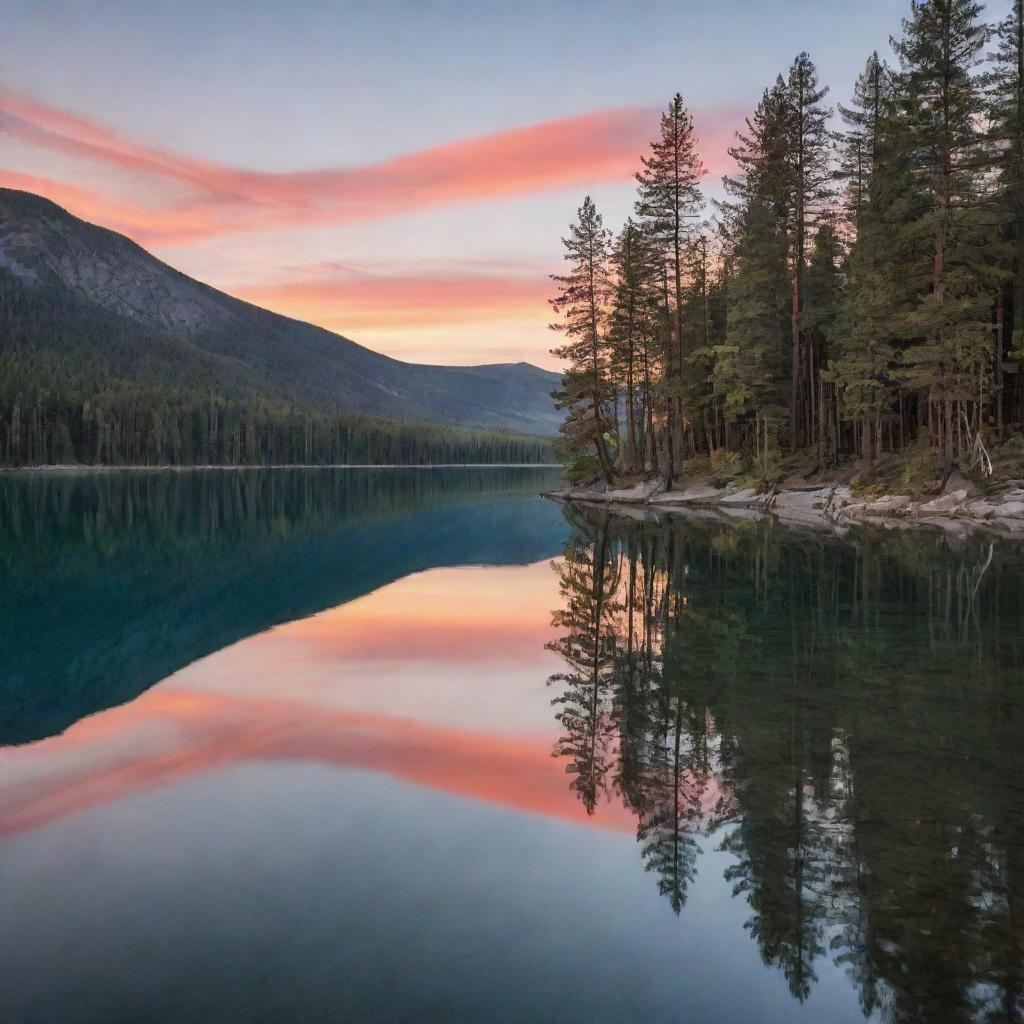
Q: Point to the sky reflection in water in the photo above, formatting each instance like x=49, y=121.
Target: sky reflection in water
x=519, y=768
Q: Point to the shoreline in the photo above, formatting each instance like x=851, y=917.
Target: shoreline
x=82, y=469
x=958, y=511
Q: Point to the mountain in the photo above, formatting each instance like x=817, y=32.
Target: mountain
x=94, y=296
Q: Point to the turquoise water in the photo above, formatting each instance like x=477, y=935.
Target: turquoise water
x=322, y=745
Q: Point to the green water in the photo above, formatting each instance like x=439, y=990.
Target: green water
x=372, y=745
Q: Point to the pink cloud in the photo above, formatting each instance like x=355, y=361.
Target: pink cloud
x=169, y=225
x=214, y=199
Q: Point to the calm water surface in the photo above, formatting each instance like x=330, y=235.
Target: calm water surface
x=389, y=746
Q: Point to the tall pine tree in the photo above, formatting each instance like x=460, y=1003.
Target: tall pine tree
x=669, y=199
x=1006, y=114
x=582, y=304
x=950, y=361
x=809, y=159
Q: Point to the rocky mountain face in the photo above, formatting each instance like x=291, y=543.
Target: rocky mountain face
x=80, y=268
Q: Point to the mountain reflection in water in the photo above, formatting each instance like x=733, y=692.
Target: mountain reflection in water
x=278, y=745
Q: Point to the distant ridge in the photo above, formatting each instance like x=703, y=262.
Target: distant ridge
x=90, y=284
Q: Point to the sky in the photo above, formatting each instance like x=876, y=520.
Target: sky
x=399, y=171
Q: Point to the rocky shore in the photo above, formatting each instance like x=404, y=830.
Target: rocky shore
x=958, y=510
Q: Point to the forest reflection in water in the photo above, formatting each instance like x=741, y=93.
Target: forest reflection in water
x=130, y=575
x=843, y=717
x=283, y=736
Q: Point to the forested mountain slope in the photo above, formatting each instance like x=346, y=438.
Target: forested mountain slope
x=81, y=303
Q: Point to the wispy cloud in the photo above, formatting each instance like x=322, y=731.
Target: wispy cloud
x=214, y=198
x=198, y=199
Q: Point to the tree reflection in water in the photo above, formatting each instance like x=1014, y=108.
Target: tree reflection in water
x=844, y=716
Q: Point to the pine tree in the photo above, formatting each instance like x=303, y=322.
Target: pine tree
x=876, y=297
x=700, y=365
x=809, y=157
x=859, y=144
x=1006, y=115
x=669, y=198
x=632, y=324
x=582, y=304
x=749, y=371
x=822, y=295
x=863, y=364
x=950, y=363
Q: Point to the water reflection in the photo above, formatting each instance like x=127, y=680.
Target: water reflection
x=340, y=801
x=113, y=581
x=844, y=717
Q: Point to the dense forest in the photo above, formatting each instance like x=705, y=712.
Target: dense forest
x=142, y=403
x=736, y=687
x=120, y=423
x=859, y=291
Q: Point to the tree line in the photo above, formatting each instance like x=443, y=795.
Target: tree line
x=64, y=419
x=860, y=287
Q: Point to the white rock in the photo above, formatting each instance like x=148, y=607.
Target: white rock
x=889, y=504
x=747, y=497
x=690, y=496
x=945, y=503
x=820, y=499
x=641, y=492
x=1010, y=510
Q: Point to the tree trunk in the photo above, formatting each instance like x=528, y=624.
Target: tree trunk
x=1000, y=303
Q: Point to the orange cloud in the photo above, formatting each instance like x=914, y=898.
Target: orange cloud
x=351, y=301
x=589, y=149
x=214, y=199
x=167, y=225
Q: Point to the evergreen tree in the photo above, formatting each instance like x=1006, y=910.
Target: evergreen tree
x=809, y=157
x=950, y=361
x=749, y=372
x=1006, y=114
x=700, y=364
x=632, y=319
x=582, y=303
x=669, y=198
x=859, y=144
x=822, y=294
x=876, y=296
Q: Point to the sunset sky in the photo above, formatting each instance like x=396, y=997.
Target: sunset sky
x=400, y=172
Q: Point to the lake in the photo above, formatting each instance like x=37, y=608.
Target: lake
x=418, y=745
